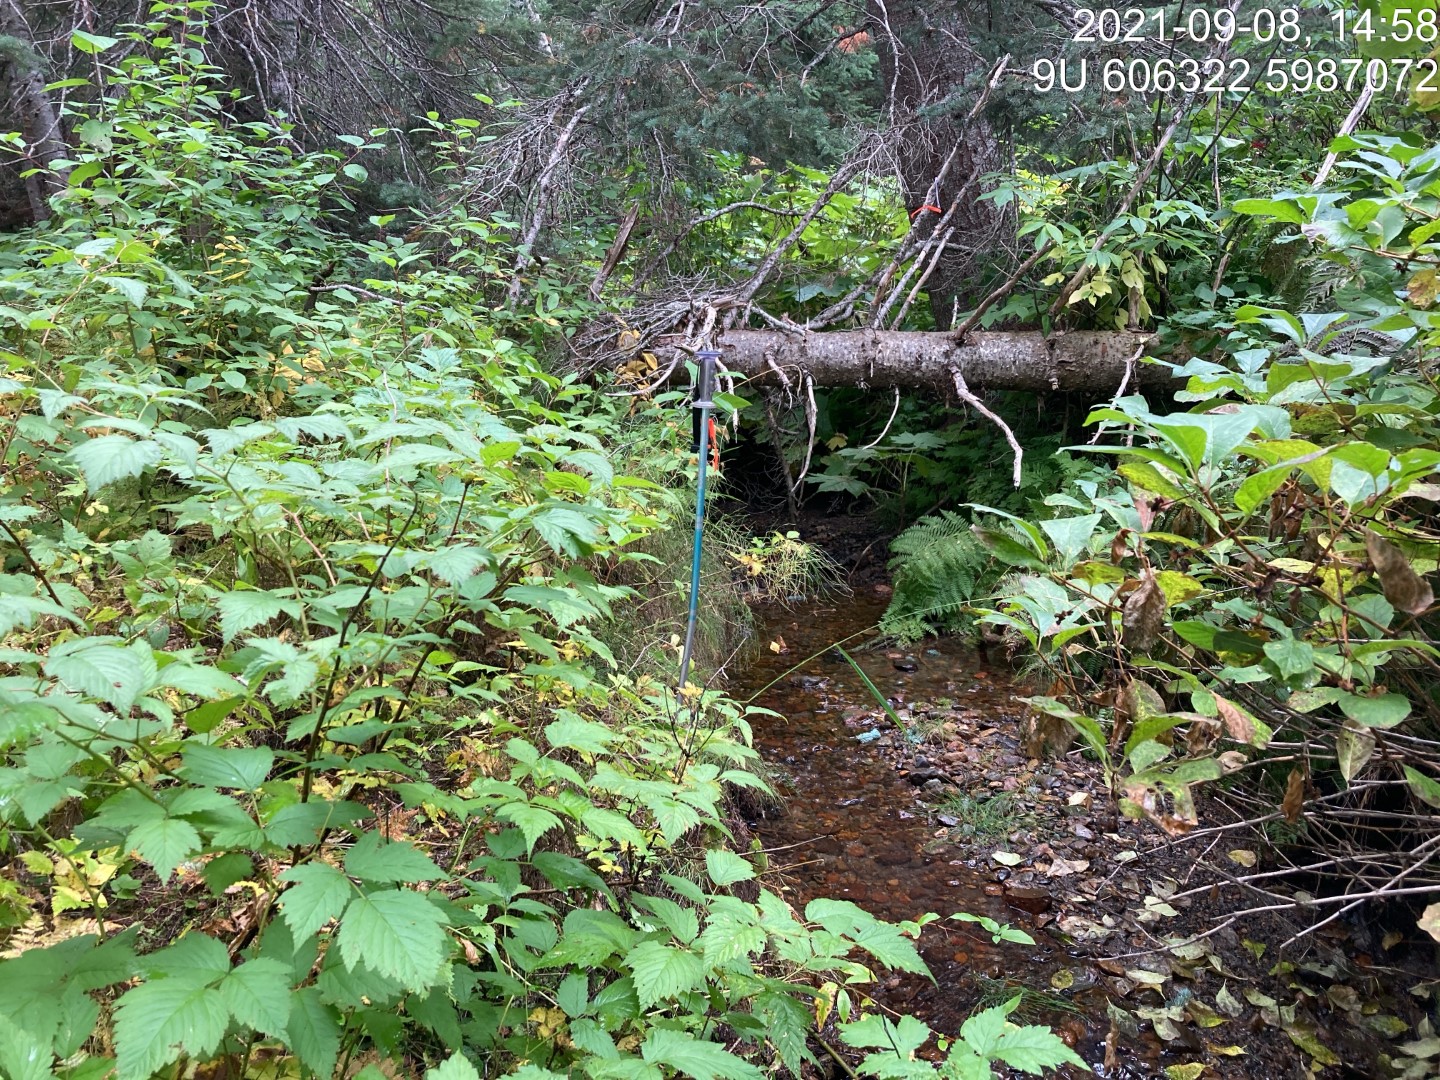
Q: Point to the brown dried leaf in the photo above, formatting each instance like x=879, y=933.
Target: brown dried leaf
x=1294, y=801
x=1119, y=546
x=1201, y=736
x=1144, y=614
x=1239, y=724
x=1404, y=588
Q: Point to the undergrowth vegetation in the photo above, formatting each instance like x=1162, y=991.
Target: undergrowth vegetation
x=319, y=758
x=1242, y=606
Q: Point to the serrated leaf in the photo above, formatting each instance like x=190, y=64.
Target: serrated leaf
x=107, y=458
x=159, y=1020
x=576, y=733
x=314, y=1031
x=115, y=674
x=662, y=972
x=24, y=1054
x=726, y=867
x=245, y=768
x=373, y=858
x=892, y=948
x=533, y=821
x=317, y=893
x=257, y=994
x=702, y=1060
x=245, y=609
x=1034, y=1049
x=455, y=1067
x=398, y=934
x=164, y=843
x=728, y=936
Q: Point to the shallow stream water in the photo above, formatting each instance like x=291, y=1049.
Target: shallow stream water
x=852, y=827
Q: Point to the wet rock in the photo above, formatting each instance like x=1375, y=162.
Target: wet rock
x=808, y=682
x=905, y=663
x=893, y=858
x=924, y=777
x=1028, y=898
x=932, y=790
x=1082, y=832
x=947, y=820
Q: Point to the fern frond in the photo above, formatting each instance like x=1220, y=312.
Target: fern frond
x=939, y=565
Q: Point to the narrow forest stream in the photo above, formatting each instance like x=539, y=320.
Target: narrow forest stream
x=852, y=826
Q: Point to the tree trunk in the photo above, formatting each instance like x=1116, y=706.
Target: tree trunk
x=932, y=79
x=39, y=121
x=1087, y=360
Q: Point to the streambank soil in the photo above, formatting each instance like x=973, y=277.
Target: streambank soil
x=1139, y=962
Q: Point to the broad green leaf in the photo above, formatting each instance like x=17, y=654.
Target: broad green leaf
x=257, y=993
x=533, y=821
x=661, y=972
x=702, y=1060
x=159, y=1020
x=1278, y=209
x=317, y=893
x=1425, y=789
x=108, y=458
x=398, y=934
x=314, y=1031
x=904, y=1037
x=245, y=609
x=194, y=955
x=1034, y=1049
x=164, y=843
x=1382, y=711
x=245, y=768
x=1258, y=487
x=1071, y=535
x=729, y=935
x=576, y=733
x=25, y=1054
x=1291, y=657
x=86, y=42
x=117, y=675
x=373, y=858
x=455, y=1067
x=726, y=867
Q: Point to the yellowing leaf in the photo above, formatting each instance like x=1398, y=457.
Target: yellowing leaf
x=1191, y=1070
x=1243, y=857
x=1430, y=921
x=1226, y=1051
x=1006, y=858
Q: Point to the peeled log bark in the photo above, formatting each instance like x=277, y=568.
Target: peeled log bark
x=1085, y=360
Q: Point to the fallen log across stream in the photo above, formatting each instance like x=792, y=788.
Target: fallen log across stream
x=1081, y=360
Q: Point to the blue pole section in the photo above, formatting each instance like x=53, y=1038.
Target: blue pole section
x=703, y=403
